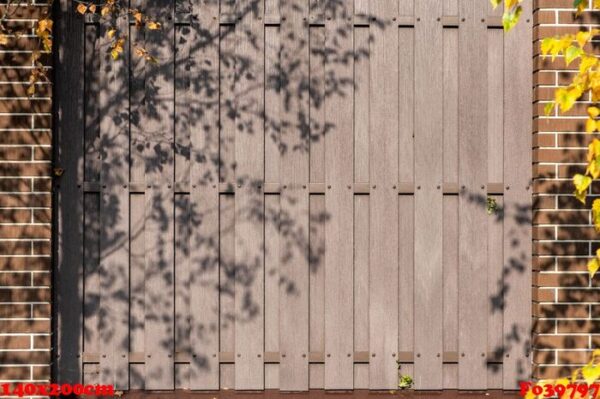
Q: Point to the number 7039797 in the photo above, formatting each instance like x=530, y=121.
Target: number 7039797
x=569, y=391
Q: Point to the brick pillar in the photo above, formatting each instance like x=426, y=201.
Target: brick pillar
x=25, y=208
x=565, y=299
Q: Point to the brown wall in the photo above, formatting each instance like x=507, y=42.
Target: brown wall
x=565, y=298
x=25, y=153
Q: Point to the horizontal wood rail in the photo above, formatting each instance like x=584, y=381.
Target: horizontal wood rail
x=312, y=188
x=275, y=357
x=492, y=22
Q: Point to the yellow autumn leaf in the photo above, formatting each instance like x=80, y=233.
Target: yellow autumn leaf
x=593, y=111
x=81, y=8
x=547, y=45
x=510, y=19
x=586, y=63
x=138, y=17
x=3, y=39
x=583, y=37
x=590, y=125
x=548, y=108
x=105, y=11
x=152, y=25
x=31, y=90
x=581, y=183
x=593, y=265
x=566, y=98
x=111, y=33
x=596, y=4
x=92, y=8
x=596, y=214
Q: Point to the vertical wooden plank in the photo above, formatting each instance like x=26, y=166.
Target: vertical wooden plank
x=159, y=212
x=114, y=213
x=272, y=105
x=517, y=201
x=495, y=104
x=68, y=122
x=91, y=209
x=318, y=128
x=450, y=106
x=227, y=286
x=383, y=201
x=406, y=110
x=361, y=105
x=272, y=202
x=137, y=244
x=182, y=215
x=450, y=296
x=339, y=200
x=495, y=294
x=317, y=204
x=227, y=112
x=203, y=124
x=272, y=283
x=249, y=198
x=294, y=112
x=361, y=287
x=428, y=271
x=450, y=202
x=318, y=219
x=361, y=203
x=472, y=342
x=227, y=62
x=406, y=278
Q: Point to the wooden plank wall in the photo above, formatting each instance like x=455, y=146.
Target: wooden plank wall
x=295, y=196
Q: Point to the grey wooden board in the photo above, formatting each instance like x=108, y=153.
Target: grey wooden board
x=339, y=203
x=137, y=94
x=383, y=201
x=227, y=83
x=272, y=104
x=450, y=294
x=472, y=341
x=517, y=201
x=114, y=211
x=203, y=100
x=226, y=285
x=91, y=204
x=406, y=273
x=317, y=205
x=495, y=104
x=92, y=161
x=450, y=106
x=157, y=127
x=428, y=270
x=317, y=287
x=406, y=104
x=182, y=286
x=272, y=282
x=361, y=275
x=137, y=268
x=272, y=203
x=317, y=105
x=68, y=123
x=361, y=105
x=113, y=320
x=91, y=286
x=158, y=289
x=249, y=200
x=495, y=288
x=294, y=174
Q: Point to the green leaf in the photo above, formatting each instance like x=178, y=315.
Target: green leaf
x=548, y=108
x=572, y=53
